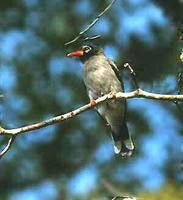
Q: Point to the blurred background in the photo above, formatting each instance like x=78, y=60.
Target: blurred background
x=75, y=160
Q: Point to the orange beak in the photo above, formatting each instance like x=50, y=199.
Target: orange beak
x=76, y=53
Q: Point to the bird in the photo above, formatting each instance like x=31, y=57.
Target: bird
x=102, y=76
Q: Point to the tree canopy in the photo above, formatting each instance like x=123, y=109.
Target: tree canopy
x=75, y=160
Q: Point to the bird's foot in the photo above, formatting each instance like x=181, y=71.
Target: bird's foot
x=112, y=94
x=93, y=103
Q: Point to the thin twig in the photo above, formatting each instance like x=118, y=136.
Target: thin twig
x=7, y=147
x=124, y=198
x=132, y=72
x=91, y=38
x=91, y=24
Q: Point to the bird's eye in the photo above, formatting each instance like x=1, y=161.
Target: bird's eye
x=86, y=49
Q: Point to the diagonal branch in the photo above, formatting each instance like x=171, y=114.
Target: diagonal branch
x=91, y=24
x=133, y=74
x=8, y=146
x=120, y=95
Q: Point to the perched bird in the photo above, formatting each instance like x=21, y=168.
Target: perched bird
x=101, y=76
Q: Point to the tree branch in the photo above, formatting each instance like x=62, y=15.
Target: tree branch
x=120, y=95
x=138, y=93
x=7, y=147
x=124, y=198
x=133, y=74
x=91, y=24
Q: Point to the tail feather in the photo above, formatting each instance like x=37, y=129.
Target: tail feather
x=123, y=143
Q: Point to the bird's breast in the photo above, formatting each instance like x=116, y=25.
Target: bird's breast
x=100, y=80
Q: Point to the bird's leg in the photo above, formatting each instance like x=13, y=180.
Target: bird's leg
x=93, y=103
x=112, y=94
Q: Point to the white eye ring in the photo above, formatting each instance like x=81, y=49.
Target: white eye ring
x=87, y=49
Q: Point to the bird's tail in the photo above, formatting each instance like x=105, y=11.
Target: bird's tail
x=123, y=143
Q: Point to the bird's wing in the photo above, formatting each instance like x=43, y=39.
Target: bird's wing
x=115, y=69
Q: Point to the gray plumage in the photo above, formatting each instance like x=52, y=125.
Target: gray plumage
x=101, y=76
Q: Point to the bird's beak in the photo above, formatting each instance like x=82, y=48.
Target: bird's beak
x=76, y=53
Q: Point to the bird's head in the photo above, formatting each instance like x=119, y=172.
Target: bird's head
x=86, y=51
